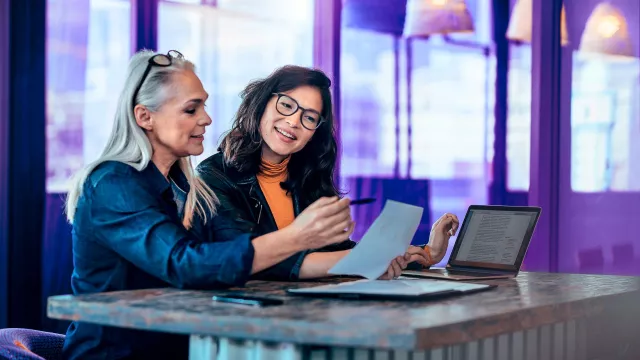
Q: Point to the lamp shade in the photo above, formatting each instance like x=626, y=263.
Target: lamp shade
x=606, y=32
x=430, y=17
x=521, y=23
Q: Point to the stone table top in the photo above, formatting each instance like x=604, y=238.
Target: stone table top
x=528, y=301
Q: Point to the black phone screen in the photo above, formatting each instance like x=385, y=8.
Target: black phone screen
x=248, y=300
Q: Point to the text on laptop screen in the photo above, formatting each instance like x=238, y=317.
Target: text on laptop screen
x=494, y=236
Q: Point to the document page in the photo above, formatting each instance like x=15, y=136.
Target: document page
x=494, y=236
x=389, y=236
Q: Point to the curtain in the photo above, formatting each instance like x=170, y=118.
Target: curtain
x=24, y=153
x=67, y=56
x=4, y=162
x=88, y=48
x=326, y=55
x=57, y=259
x=147, y=24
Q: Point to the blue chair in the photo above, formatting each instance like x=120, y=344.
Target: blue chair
x=26, y=344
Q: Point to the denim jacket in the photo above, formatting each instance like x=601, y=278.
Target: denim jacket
x=242, y=202
x=127, y=234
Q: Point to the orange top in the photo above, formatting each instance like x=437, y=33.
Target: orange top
x=280, y=203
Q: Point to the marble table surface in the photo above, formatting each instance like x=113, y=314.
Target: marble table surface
x=528, y=301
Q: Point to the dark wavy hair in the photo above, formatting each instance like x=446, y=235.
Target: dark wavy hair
x=311, y=170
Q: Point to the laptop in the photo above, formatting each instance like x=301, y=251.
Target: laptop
x=492, y=243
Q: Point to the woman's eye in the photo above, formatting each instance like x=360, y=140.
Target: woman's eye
x=190, y=111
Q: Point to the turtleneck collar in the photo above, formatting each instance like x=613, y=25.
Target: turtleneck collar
x=271, y=172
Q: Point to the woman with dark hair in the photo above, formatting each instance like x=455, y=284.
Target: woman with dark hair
x=279, y=158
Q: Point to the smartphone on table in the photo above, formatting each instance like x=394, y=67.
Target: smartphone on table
x=249, y=300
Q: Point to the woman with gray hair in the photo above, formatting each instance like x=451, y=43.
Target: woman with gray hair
x=137, y=212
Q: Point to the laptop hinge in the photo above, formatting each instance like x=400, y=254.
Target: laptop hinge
x=480, y=270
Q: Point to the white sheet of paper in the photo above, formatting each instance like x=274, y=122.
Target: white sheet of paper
x=389, y=236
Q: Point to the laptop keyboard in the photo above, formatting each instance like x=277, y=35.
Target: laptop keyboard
x=467, y=273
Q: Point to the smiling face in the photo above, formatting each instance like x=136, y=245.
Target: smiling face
x=177, y=128
x=284, y=135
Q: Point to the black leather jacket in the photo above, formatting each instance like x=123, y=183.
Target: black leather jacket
x=242, y=201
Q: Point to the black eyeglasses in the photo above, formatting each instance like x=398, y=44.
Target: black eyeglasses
x=286, y=105
x=161, y=60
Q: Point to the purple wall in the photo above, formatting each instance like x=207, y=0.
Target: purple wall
x=596, y=224
x=578, y=231
x=598, y=231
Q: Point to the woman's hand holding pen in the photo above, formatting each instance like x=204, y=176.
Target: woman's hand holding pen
x=327, y=221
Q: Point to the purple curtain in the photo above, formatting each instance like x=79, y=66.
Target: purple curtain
x=4, y=162
x=146, y=24
x=67, y=42
x=545, y=134
x=57, y=260
x=22, y=179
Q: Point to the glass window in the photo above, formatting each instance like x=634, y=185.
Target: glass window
x=368, y=121
x=452, y=102
x=299, y=12
x=452, y=124
x=233, y=44
x=452, y=111
x=603, y=115
x=604, y=118
x=519, y=118
x=88, y=49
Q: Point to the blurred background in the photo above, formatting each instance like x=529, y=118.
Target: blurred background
x=440, y=103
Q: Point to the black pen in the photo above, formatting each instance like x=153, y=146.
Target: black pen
x=362, y=201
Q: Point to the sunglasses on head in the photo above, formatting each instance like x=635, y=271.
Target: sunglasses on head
x=161, y=60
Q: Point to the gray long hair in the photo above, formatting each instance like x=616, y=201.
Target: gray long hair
x=129, y=144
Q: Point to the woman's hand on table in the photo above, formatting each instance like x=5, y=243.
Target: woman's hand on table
x=414, y=253
x=395, y=268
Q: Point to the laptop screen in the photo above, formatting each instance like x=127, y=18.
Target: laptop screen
x=495, y=237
